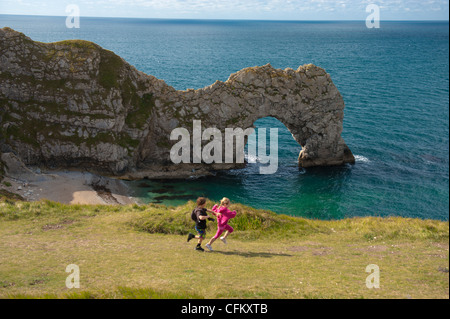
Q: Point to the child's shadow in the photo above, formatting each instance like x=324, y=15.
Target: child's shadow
x=251, y=254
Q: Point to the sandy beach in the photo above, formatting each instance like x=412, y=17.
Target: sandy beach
x=67, y=187
x=70, y=187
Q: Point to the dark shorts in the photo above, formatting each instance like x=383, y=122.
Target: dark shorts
x=201, y=232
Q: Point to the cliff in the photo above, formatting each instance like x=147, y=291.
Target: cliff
x=75, y=104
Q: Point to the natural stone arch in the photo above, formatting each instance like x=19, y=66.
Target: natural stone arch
x=75, y=104
x=306, y=101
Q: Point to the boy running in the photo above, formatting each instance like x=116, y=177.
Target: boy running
x=200, y=215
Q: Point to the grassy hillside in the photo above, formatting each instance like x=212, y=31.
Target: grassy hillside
x=141, y=252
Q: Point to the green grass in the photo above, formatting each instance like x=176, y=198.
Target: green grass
x=120, y=293
x=109, y=69
x=9, y=197
x=255, y=223
x=141, y=252
x=79, y=44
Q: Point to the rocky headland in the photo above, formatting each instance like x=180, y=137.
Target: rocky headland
x=73, y=104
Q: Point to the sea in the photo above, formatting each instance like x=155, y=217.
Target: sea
x=394, y=81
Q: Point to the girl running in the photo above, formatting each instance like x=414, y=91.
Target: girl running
x=223, y=216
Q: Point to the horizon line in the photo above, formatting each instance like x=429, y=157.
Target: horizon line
x=221, y=19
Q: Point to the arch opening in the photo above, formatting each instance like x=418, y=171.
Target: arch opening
x=288, y=148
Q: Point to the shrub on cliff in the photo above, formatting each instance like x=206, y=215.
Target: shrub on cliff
x=249, y=224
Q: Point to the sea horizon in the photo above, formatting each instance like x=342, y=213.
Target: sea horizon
x=213, y=19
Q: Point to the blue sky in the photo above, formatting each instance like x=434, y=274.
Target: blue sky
x=236, y=9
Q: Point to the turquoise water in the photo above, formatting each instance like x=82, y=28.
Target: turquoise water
x=394, y=80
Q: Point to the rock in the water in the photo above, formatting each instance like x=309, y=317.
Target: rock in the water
x=75, y=104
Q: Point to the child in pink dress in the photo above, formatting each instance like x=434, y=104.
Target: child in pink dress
x=223, y=216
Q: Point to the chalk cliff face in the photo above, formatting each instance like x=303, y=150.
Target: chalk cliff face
x=75, y=104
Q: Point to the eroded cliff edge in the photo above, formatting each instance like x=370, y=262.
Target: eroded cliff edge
x=75, y=104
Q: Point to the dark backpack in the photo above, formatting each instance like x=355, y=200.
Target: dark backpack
x=194, y=216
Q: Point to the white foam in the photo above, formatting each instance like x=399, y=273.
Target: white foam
x=362, y=159
x=251, y=158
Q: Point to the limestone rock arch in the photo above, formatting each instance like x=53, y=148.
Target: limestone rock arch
x=305, y=100
x=75, y=104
